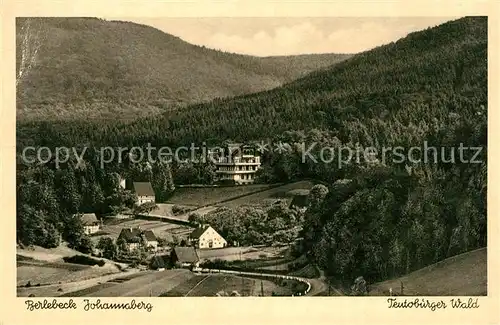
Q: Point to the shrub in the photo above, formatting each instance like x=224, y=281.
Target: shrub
x=179, y=209
x=82, y=259
x=86, y=246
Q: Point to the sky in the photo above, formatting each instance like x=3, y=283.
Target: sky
x=290, y=36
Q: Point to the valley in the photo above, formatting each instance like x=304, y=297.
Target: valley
x=288, y=205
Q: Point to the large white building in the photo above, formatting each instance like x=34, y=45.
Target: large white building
x=206, y=237
x=238, y=165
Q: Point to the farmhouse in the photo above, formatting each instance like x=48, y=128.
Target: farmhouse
x=206, y=237
x=151, y=241
x=237, y=165
x=90, y=223
x=185, y=257
x=136, y=238
x=144, y=191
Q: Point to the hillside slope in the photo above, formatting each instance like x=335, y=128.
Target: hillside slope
x=437, y=71
x=71, y=67
x=463, y=275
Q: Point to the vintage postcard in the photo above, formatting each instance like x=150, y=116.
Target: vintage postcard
x=249, y=162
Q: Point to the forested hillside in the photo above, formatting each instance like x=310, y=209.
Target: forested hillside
x=92, y=68
x=403, y=84
x=376, y=218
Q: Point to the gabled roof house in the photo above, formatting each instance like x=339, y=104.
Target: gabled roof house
x=185, y=256
x=90, y=223
x=206, y=237
x=144, y=191
x=136, y=237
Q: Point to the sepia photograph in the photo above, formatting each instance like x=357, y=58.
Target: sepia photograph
x=252, y=157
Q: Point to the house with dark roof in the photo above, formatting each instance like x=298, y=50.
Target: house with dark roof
x=144, y=191
x=206, y=237
x=90, y=223
x=136, y=238
x=150, y=240
x=185, y=257
x=160, y=262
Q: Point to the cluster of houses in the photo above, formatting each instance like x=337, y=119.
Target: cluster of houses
x=238, y=165
x=145, y=193
x=203, y=237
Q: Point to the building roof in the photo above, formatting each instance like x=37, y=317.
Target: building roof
x=186, y=254
x=196, y=234
x=234, y=148
x=134, y=235
x=150, y=235
x=88, y=219
x=130, y=235
x=143, y=189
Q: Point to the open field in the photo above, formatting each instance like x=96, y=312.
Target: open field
x=175, y=283
x=464, y=275
x=44, y=254
x=113, y=227
x=211, y=195
x=51, y=273
x=270, y=195
x=210, y=285
x=223, y=284
x=177, y=219
x=150, y=283
x=268, y=288
x=68, y=288
x=226, y=283
x=163, y=209
x=309, y=272
x=282, y=264
x=243, y=253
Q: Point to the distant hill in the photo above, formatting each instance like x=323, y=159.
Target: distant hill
x=75, y=67
x=438, y=67
x=438, y=71
x=462, y=275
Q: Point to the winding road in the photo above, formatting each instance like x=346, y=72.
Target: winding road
x=315, y=286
